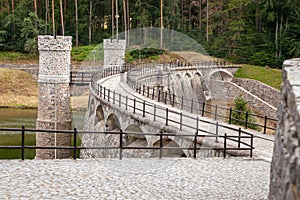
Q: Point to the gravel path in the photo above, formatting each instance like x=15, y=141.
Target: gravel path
x=185, y=178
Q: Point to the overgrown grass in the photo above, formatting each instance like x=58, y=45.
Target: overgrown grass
x=83, y=53
x=15, y=56
x=269, y=76
x=16, y=140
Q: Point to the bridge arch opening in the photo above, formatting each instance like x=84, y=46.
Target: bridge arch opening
x=135, y=138
x=99, y=113
x=112, y=123
x=221, y=75
x=167, y=142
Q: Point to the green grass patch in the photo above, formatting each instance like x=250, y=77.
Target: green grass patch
x=16, y=140
x=86, y=53
x=269, y=76
x=15, y=56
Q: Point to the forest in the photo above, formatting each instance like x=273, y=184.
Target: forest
x=259, y=32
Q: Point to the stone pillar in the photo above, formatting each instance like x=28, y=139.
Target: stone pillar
x=285, y=167
x=114, y=52
x=54, y=111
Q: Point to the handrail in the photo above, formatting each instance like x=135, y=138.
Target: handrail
x=121, y=146
x=156, y=93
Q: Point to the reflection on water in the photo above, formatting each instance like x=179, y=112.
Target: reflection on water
x=15, y=118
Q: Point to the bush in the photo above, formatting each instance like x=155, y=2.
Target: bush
x=239, y=114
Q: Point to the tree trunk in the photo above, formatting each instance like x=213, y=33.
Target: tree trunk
x=200, y=15
x=53, y=19
x=125, y=19
x=128, y=22
x=112, y=18
x=161, y=24
x=62, y=17
x=46, y=16
x=35, y=8
x=76, y=21
x=90, y=21
x=207, y=19
x=117, y=19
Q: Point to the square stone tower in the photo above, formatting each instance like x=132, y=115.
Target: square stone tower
x=54, y=111
x=114, y=52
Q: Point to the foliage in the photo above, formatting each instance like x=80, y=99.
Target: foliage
x=145, y=53
x=239, y=114
x=272, y=77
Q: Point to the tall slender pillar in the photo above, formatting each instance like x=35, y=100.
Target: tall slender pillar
x=54, y=111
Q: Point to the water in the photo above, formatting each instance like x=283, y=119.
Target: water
x=15, y=118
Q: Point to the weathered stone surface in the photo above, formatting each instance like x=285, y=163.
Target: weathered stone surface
x=54, y=95
x=285, y=169
x=114, y=52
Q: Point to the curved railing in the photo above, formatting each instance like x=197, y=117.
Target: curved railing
x=213, y=111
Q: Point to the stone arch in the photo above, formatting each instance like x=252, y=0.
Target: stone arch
x=187, y=75
x=220, y=74
x=132, y=138
x=99, y=113
x=92, y=107
x=112, y=123
x=167, y=142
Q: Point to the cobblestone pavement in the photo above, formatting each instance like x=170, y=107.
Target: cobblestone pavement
x=167, y=178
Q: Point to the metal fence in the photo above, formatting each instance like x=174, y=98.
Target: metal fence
x=121, y=147
x=213, y=111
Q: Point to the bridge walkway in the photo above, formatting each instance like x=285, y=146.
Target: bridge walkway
x=263, y=144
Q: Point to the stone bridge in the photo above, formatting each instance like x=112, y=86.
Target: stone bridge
x=115, y=106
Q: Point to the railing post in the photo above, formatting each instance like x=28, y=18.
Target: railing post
x=251, y=148
x=230, y=114
x=114, y=96
x=265, y=125
x=134, y=103
x=143, y=90
x=195, y=144
x=181, y=102
x=160, y=143
x=192, y=105
x=173, y=100
x=104, y=92
x=154, y=114
x=166, y=96
x=121, y=145
x=203, y=108
x=153, y=93
x=239, y=139
x=167, y=116
x=246, y=121
x=217, y=132
x=23, y=143
x=108, y=94
x=216, y=111
x=81, y=77
x=158, y=97
x=148, y=91
x=100, y=90
x=75, y=143
x=180, y=121
x=120, y=96
x=144, y=108
x=225, y=140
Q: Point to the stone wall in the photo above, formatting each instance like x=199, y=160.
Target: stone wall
x=114, y=52
x=285, y=167
x=54, y=111
x=228, y=91
x=259, y=89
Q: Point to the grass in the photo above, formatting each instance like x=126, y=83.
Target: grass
x=86, y=53
x=15, y=140
x=18, y=89
x=269, y=76
x=12, y=56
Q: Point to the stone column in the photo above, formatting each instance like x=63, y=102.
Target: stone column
x=285, y=167
x=54, y=110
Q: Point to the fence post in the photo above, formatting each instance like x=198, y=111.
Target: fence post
x=23, y=143
x=265, y=126
x=75, y=143
x=180, y=121
x=230, y=113
x=108, y=94
x=225, y=140
x=167, y=116
x=148, y=91
x=251, y=148
x=121, y=145
x=153, y=93
x=246, y=122
x=134, y=103
x=195, y=144
x=217, y=132
x=104, y=92
x=144, y=108
x=158, y=97
x=100, y=90
x=239, y=139
x=173, y=100
x=114, y=96
x=203, y=107
x=216, y=112
x=166, y=96
x=160, y=144
x=143, y=90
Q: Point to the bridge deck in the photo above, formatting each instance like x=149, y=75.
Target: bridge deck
x=263, y=147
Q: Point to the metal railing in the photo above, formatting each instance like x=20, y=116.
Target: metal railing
x=213, y=111
x=121, y=147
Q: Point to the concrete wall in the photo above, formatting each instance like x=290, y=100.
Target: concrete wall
x=261, y=90
x=285, y=167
